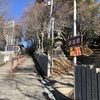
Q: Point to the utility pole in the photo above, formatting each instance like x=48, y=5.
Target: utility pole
x=13, y=35
x=39, y=44
x=52, y=24
x=51, y=28
x=42, y=41
x=51, y=10
x=74, y=34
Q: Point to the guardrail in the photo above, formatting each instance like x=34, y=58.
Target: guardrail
x=19, y=60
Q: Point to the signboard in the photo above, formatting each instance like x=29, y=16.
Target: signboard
x=77, y=40
x=6, y=57
x=75, y=51
x=12, y=48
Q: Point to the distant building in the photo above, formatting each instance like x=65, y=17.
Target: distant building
x=9, y=32
x=2, y=39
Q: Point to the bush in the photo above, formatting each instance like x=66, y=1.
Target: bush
x=47, y=44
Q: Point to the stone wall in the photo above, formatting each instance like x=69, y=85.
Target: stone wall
x=44, y=62
x=1, y=58
x=9, y=55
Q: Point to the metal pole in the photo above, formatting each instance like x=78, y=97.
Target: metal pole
x=52, y=43
x=39, y=44
x=13, y=34
x=74, y=33
x=51, y=9
x=13, y=37
x=6, y=42
x=52, y=31
x=42, y=42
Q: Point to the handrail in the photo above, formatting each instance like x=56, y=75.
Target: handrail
x=19, y=60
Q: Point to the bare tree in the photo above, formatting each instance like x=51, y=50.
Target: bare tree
x=3, y=12
x=35, y=21
x=87, y=18
x=18, y=32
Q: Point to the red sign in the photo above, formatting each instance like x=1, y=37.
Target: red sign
x=75, y=51
x=75, y=41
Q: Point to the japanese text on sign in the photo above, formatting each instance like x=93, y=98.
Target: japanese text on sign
x=75, y=41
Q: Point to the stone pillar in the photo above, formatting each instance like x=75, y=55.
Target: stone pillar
x=99, y=86
x=76, y=82
x=97, y=62
x=88, y=77
x=79, y=83
x=94, y=84
x=83, y=82
x=48, y=67
x=98, y=82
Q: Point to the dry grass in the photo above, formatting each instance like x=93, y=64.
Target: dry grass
x=61, y=66
x=71, y=94
x=86, y=51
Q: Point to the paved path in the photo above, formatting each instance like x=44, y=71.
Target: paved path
x=63, y=83
x=23, y=85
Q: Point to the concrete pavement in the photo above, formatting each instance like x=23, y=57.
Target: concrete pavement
x=64, y=83
x=23, y=85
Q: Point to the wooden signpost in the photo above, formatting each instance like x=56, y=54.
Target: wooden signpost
x=75, y=41
x=74, y=44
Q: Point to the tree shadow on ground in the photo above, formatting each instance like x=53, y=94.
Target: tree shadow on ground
x=64, y=84
x=42, y=74
x=16, y=83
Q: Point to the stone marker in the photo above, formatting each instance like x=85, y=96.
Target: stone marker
x=99, y=86
x=76, y=83
x=98, y=80
x=88, y=77
x=97, y=62
x=79, y=83
x=83, y=82
x=94, y=84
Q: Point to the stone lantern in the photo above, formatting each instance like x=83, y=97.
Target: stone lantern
x=58, y=42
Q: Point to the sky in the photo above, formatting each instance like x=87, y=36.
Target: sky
x=16, y=9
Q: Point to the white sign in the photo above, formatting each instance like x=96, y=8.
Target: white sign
x=12, y=48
